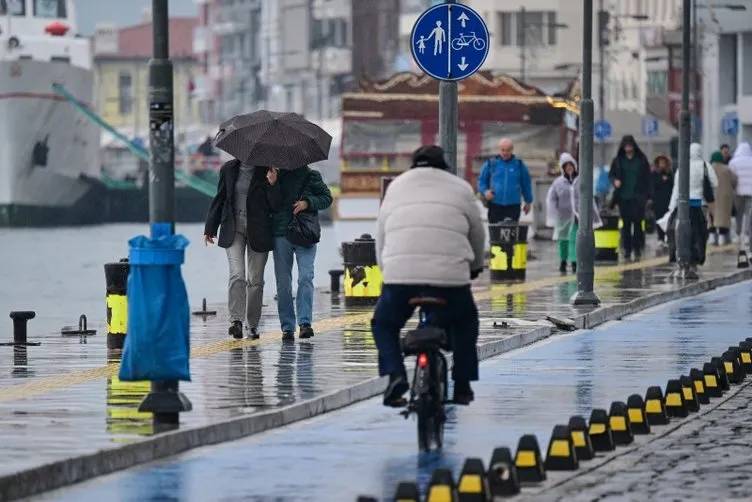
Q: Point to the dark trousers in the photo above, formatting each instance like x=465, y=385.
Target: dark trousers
x=632, y=213
x=497, y=213
x=459, y=317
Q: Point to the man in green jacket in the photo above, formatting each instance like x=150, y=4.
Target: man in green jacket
x=302, y=190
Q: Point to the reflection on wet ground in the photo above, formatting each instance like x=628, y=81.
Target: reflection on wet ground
x=65, y=399
x=367, y=449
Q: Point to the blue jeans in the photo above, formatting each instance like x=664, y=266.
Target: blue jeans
x=459, y=318
x=284, y=252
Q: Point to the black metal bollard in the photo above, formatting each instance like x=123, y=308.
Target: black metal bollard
x=508, y=251
x=363, y=278
x=334, y=276
x=116, y=275
x=20, y=320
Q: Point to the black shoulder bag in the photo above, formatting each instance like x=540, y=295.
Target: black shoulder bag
x=304, y=228
x=707, y=186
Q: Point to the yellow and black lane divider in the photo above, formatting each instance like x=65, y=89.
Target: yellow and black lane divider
x=580, y=440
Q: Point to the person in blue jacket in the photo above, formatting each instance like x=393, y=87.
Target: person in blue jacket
x=504, y=182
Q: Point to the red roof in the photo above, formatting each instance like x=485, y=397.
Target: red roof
x=136, y=41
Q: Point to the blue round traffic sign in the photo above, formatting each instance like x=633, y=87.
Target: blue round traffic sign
x=602, y=130
x=450, y=41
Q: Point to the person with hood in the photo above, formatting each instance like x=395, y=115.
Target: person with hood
x=700, y=174
x=663, y=184
x=630, y=175
x=502, y=179
x=560, y=213
x=430, y=241
x=741, y=165
x=246, y=198
x=724, y=199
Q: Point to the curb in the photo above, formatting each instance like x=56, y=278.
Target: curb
x=73, y=470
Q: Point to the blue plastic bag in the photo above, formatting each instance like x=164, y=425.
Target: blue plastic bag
x=157, y=345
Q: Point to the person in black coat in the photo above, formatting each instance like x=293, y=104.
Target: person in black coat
x=242, y=211
x=663, y=184
x=631, y=177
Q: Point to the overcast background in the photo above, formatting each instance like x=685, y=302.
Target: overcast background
x=122, y=12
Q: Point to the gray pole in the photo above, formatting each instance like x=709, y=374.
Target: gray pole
x=523, y=39
x=601, y=81
x=448, y=112
x=694, y=76
x=161, y=139
x=585, y=240
x=165, y=400
x=684, y=237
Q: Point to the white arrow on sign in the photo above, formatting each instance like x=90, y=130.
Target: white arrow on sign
x=462, y=64
x=463, y=19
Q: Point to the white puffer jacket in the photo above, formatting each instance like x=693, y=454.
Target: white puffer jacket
x=429, y=230
x=741, y=165
x=697, y=170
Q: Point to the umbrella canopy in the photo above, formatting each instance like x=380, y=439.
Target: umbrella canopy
x=264, y=138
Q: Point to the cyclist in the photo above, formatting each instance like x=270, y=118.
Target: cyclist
x=430, y=241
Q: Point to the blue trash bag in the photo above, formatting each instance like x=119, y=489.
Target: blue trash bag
x=157, y=345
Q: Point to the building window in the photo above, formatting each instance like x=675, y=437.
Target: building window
x=16, y=7
x=551, y=28
x=329, y=33
x=657, y=83
x=537, y=27
x=125, y=93
x=50, y=8
x=505, y=28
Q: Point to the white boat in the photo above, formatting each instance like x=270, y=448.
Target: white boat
x=49, y=162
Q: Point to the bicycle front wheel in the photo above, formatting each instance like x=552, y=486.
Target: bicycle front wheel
x=479, y=44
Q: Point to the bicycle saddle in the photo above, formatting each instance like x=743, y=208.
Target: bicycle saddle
x=424, y=339
x=423, y=301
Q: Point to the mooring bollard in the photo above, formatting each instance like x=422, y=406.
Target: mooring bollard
x=334, y=276
x=82, y=332
x=20, y=332
x=203, y=312
x=363, y=278
x=116, y=275
x=508, y=251
x=607, y=238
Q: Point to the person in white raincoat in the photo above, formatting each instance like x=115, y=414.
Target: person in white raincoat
x=560, y=213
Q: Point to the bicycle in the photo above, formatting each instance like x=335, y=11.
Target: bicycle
x=465, y=40
x=428, y=392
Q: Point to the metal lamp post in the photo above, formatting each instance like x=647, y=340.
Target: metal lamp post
x=449, y=118
x=585, y=240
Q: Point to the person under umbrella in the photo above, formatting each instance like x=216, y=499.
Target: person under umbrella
x=289, y=142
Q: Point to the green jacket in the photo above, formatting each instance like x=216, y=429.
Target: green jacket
x=316, y=193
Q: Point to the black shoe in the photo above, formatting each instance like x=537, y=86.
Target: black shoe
x=463, y=393
x=288, y=336
x=253, y=334
x=574, y=267
x=563, y=267
x=394, y=391
x=306, y=331
x=236, y=330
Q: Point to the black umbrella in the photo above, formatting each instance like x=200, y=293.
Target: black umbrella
x=264, y=138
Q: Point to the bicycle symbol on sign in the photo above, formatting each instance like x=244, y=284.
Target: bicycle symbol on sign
x=465, y=40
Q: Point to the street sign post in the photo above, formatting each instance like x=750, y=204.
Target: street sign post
x=602, y=130
x=649, y=126
x=730, y=124
x=450, y=41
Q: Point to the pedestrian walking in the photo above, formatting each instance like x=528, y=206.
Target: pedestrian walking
x=504, y=182
x=246, y=197
x=741, y=165
x=630, y=175
x=289, y=142
x=702, y=185
x=663, y=184
x=726, y=153
x=724, y=199
x=560, y=213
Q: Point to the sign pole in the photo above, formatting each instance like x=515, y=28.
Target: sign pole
x=449, y=109
x=585, y=239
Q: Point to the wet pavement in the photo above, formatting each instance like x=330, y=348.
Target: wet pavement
x=367, y=449
x=63, y=399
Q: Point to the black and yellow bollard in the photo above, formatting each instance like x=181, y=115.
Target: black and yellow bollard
x=441, y=488
x=698, y=381
x=528, y=460
x=600, y=431
x=712, y=380
x=618, y=421
x=580, y=438
x=732, y=365
x=723, y=380
x=407, y=492
x=363, y=279
x=503, y=479
x=116, y=276
x=745, y=354
x=655, y=407
x=561, y=454
x=508, y=251
x=689, y=394
x=472, y=486
x=607, y=239
x=675, y=405
x=638, y=419
x=742, y=369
